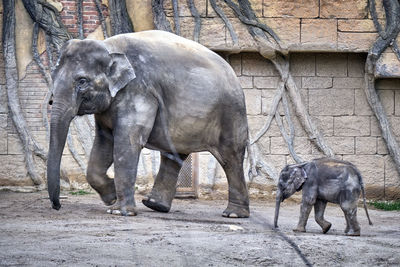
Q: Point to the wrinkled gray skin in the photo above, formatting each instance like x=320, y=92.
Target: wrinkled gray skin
x=322, y=181
x=149, y=89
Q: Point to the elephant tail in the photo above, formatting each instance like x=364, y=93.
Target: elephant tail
x=363, y=195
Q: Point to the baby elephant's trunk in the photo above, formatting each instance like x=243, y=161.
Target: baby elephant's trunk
x=277, y=205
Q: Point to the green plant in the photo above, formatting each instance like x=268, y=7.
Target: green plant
x=386, y=205
x=80, y=193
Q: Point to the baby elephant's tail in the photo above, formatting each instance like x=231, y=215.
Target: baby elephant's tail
x=363, y=195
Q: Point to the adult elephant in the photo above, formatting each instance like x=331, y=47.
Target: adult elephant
x=148, y=89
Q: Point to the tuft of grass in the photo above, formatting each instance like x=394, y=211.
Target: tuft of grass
x=386, y=205
x=80, y=193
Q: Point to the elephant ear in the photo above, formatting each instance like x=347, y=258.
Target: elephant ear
x=300, y=177
x=120, y=73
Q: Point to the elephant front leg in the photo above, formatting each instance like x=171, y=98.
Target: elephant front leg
x=101, y=158
x=305, y=210
x=164, y=188
x=126, y=159
x=319, y=208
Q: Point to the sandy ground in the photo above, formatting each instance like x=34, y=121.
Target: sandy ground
x=192, y=234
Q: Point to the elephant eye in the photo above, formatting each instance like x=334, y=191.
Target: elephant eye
x=81, y=83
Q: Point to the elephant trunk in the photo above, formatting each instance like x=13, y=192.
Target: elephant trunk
x=60, y=120
x=277, y=206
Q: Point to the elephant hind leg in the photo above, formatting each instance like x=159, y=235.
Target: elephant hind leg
x=350, y=211
x=319, y=209
x=231, y=161
x=164, y=188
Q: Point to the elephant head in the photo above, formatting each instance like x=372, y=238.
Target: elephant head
x=291, y=179
x=87, y=77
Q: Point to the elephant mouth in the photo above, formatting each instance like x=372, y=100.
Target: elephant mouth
x=299, y=189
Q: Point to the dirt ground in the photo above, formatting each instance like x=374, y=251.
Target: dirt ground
x=192, y=234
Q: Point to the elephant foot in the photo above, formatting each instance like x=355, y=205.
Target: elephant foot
x=122, y=211
x=156, y=205
x=108, y=194
x=326, y=227
x=299, y=229
x=353, y=233
x=236, y=211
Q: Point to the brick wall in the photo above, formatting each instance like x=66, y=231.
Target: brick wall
x=89, y=13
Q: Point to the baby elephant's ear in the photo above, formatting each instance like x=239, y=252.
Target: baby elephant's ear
x=300, y=178
x=120, y=73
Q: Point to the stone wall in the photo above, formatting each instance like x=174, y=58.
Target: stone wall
x=327, y=41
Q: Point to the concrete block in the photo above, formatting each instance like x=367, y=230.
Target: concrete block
x=288, y=29
x=366, y=145
x=319, y=32
x=341, y=145
x=397, y=102
x=3, y=98
x=246, y=81
x=346, y=82
x=236, y=62
x=392, y=178
x=387, y=99
x=352, y=126
x=343, y=9
x=266, y=82
x=356, y=25
x=316, y=82
x=395, y=124
x=331, y=102
x=375, y=128
x=381, y=146
x=361, y=106
x=302, y=64
x=255, y=65
x=355, y=41
x=302, y=146
x=297, y=9
x=324, y=124
x=253, y=101
x=267, y=100
x=212, y=34
x=14, y=146
x=13, y=171
x=356, y=65
x=333, y=65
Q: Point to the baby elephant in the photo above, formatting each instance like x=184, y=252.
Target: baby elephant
x=323, y=180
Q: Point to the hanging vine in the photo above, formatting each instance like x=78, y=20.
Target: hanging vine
x=387, y=37
x=29, y=145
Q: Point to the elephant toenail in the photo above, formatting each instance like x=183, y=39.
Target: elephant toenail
x=109, y=211
x=233, y=215
x=116, y=212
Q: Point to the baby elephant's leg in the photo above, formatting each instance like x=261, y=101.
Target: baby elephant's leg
x=350, y=211
x=319, y=208
x=305, y=210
